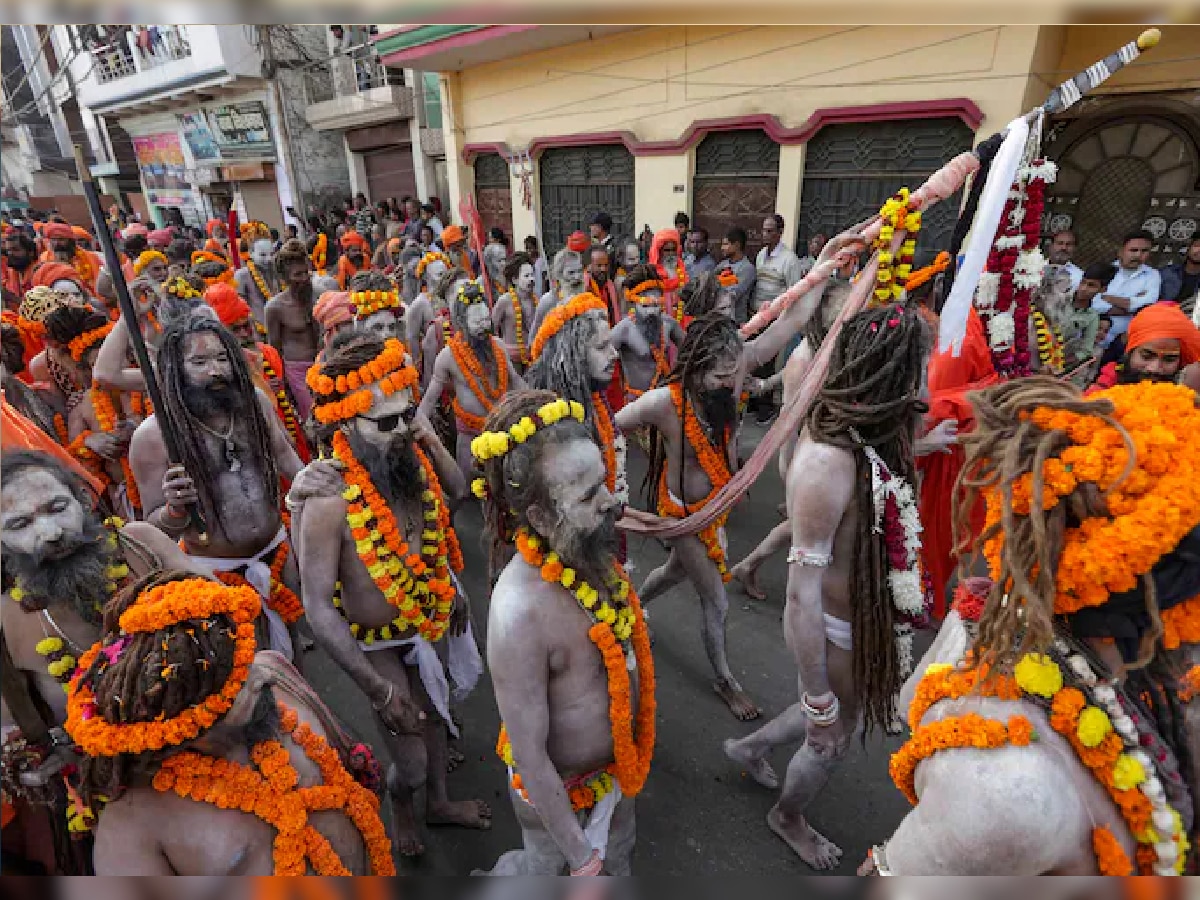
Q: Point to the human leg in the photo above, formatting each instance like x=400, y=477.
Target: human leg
x=746, y=572
x=409, y=761
x=714, y=606
x=539, y=854
x=662, y=579
x=439, y=808
x=622, y=836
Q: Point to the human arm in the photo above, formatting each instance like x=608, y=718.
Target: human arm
x=321, y=536
x=415, y=322
x=105, y=444
x=675, y=332
x=429, y=354
x=442, y=377
x=648, y=409
x=519, y=662
x=820, y=486
x=165, y=490
x=287, y=461
x=110, y=370
x=938, y=439
x=274, y=323
x=547, y=303
x=127, y=842
x=501, y=313
x=454, y=483
x=1150, y=294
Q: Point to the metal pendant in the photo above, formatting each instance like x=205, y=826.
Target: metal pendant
x=235, y=464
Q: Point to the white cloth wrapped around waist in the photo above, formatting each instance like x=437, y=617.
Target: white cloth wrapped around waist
x=258, y=574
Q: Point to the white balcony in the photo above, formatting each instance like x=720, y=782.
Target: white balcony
x=140, y=51
x=356, y=90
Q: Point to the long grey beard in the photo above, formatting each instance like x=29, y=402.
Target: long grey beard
x=79, y=579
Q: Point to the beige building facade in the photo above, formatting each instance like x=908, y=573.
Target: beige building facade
x=544, y=125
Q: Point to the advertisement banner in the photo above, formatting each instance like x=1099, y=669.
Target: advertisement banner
x=164, y=172
x=242, y=131
x=199, y=137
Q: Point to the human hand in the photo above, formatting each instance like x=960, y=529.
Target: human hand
x=423, y=431
x=460, y=615
x=845, y=244
x=178, y=489
x=105, y=444
x=320, y=478
x=400, y=714
x=941, y=437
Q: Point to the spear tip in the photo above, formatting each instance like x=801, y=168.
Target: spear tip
x=1149, y=38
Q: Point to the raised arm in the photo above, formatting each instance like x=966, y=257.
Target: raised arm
x=110, y=370
x=454, y=483
x=651, y=409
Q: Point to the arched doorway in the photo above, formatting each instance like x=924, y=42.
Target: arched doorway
x=575, y=183
x=1116, y=175
x=493, y=195
x=737, y=174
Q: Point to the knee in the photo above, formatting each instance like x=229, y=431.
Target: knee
x=409, y=770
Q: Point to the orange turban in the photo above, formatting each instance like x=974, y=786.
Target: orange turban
x=1165, y=321
x=352, y=239
x=226, y=303
x=58, y=231
x=49, y=272
x=333, y=308
x=211, y=224
x=578, y=241
x=452, y=234
x=80, y=234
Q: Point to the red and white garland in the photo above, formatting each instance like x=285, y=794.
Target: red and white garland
x=899, y=521
x=1014, y=269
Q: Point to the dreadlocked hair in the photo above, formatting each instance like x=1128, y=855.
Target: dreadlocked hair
x=708, y=340
x=563, y=366
x=158, y=675
x=68, y=322
x=180, y=419
x=640, y=274
x=515, y=480
x=447, y=280
x=210, y=268
x=700, y=295
x=13, y=349
x=872, y=387
x=371, y=280
x=512, y=268
x=290, y=254
x=1004, y=445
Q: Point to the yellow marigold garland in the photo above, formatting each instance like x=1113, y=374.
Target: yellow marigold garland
x=259, y=281
x=367, y=303
x=145, y=258
x=894, y=268
x=1049, y=343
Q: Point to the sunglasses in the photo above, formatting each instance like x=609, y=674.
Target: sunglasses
x=388, y=424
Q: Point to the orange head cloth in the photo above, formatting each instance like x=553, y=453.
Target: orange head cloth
x=352, y=239
x=80, y=234
x=578, y=241
x=1165, y=321
x=660, y=238
x=58, y=231
x=211, y=224
x=227, y=303
x=333, y=308
x=452, y=234
x=49, y=272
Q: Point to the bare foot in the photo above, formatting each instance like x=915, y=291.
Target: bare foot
x=405, y=836
x=467, y=813
x=756, y=767
x=737, y=700
x=454, y=758
x=809, y=844
x=748, y=579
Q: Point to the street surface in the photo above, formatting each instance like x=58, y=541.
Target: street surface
x=698, y=814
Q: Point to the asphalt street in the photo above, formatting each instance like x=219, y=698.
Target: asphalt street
x=698, y=814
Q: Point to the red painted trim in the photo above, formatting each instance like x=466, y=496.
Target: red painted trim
x=454, y=42
x=959, y=107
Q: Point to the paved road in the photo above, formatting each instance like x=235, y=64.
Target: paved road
x=698, y=814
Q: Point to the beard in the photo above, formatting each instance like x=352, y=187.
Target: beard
x=72, y=570
x=395, y=471
x=1127, y=375
x=601, y=277
x=216, y=397
x=650, y=328
x=481, y=344
x=719, y=408
x=591, y=553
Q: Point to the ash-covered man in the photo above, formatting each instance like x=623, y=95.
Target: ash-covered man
x=421, y=312
x=568, y=648
x=569, y=281
x=473, y=366
x=258, y=281
x=512, y=315
x=291, y=328
x=377, y=305
x=233, y=452
x=645, y=338
x=378, y=608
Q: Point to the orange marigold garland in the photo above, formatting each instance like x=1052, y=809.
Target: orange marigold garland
x=268, y=788
x=80, y=345
x=158, y=608
x=283, y=599
x=478, y=381
x=106, y=418
x=607, y=435
x=519, y=322
x=1110, y=855
x=320, y=254
x=389, y=370
x=715, y=466
x=561, y=315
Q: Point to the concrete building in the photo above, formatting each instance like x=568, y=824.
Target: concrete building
x=819, y=123
x=207, y=111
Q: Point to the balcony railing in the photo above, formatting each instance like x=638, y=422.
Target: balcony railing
x=142, y=50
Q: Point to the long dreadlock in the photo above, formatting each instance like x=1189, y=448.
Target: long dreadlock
x=709, y=339
x=563, y=366
x=157, y=676
x=180, y=418
x=700, y=295
x=872, y=386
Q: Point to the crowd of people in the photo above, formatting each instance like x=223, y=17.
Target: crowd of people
x=330, y=403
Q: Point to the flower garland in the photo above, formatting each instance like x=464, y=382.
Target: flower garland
x=662, y=368
x=621, y=615
x=606, y=433
x=921, y=276
x=1104, y=737
x=430, y=257
x=894, y=268
x=418, y=585
x=259, y=281
x=268, y=788
x=715, y=466
x=1050, y=343
x=478, y=381
x=584, y=791
x=1014, y=268
x=283, y=599
x=60, y=429
x=82, y=263
x=367, y=303
x=180, y=288
x=106, y=418
x=291, y=421
x=1150, y=511
x=494, y=444
x=562, y=314
x=519, y=322
x=80, y=345
x=159, y=608
x=389, y=369
x=320, y=254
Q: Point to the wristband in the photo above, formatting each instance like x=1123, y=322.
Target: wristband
x=591, y=868
x=171, y=512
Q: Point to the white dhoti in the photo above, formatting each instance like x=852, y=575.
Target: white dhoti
x=258, y=574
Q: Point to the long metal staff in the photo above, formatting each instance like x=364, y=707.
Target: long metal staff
x=113, y=264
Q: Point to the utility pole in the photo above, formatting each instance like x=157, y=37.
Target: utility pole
x=271, y=74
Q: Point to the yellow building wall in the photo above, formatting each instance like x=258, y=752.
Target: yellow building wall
x=1169, y=66
x=655, y=179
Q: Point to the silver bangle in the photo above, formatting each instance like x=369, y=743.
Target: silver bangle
x=799, y=557
x=386, y=701
x=826, y=716
x=880, y=860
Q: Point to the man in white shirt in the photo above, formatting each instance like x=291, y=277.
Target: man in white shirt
x=1135, y=286
x=777, y=268
x=1062, y=248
